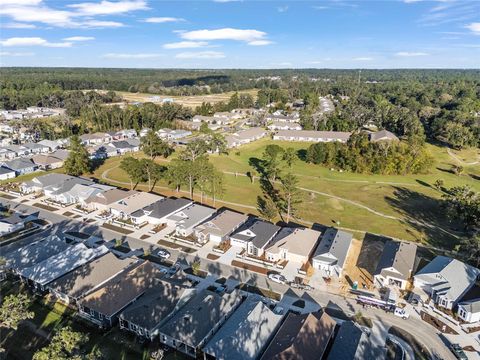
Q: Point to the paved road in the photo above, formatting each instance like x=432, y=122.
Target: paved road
x=416, y=327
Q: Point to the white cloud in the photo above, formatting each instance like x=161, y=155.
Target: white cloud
x=185, y=45
x=260, y=42
x=32, y=41
x=8, y=53
x=363, y=58
x=224, y=34
x=132, y=56
x=474, y=27
x=15, y=25
x=161, y=20
x=282, y=9
x=102, y=24
x=79, y=38
x=36, y=13
x=410, y=54
x=320, y=7
x=201, y=55
x=105, y=7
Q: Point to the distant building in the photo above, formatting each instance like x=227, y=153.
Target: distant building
x=312, y=136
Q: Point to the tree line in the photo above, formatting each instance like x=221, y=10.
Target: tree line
x=360, y=155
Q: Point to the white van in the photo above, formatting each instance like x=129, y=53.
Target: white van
x=401, y=313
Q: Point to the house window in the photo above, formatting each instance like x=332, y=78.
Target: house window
x=92, y=312
x=164, y=338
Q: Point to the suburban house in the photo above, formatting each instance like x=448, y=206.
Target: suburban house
x=446, y=280
x=195, y=323
x=205, y=119
x=95, y=139
x=331, y=253
x=469, y=305
x=50, y=144
x=78, y=193
x=126, y=134
x=227, y=115
x=102, y=200
x=295, y=245
x=41, y=274
x=6, y=173
x=61, y=154
x=254, y=235
x=145, y=316
x=245, y=334
x=220, y=227
x=159, y=211
x=186, y=219
x=103, y=305
x=351, y=342
x=20, y=166
x=7, y=154
x=282, y=118
x=382, y=135
x=99, y=152
x=169, y=134
x=396, y=264
x=312, y=136
x=278, y=125
x=35, y=252
x=245, y=136
x=301, y=337
x=36, y=148
x=47, y=162
x=58, y=189
x=39, y=183
x=80, y=282
x=124, y=207
x=12, y=223
x=121, y=147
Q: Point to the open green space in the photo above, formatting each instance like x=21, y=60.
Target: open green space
x=406, y=207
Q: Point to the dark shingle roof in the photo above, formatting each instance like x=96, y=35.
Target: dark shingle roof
x=163, y=207
x=263, y=230
x=399, y=255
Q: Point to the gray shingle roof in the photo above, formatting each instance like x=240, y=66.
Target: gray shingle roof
x=351, y=343
x=263, y=232
x=399, y=255
x=301, y=337
x=62, y=263
x=223, y=223
x=156, y=304
x=451, y=276
x=334, y=247
x=163, y=207
x=4, y=170
x=191, y=215
x=89, y=276
x=192, y=323
x=36, y=252
x=51, y=179
x=245, y=334
x=19, y=164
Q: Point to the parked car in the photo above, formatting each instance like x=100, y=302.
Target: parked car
x=277, y=278
x=458, y=352
x=164, y=254
x=401, y=313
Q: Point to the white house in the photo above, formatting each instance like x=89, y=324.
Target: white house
x=186, y=219
x=254, y=236
x=332, y=252
x=446, y=280
x=6, y=173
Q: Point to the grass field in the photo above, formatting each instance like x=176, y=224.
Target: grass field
x=190, y=101
x=406, y=207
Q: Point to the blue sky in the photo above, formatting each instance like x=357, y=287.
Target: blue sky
x=240, y=34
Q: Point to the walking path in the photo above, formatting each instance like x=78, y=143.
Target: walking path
x=457, y=159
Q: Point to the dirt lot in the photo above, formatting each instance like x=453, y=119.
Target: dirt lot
x=362, y=261
x=191, y=101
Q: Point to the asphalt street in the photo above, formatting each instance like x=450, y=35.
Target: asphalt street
x=421, y=331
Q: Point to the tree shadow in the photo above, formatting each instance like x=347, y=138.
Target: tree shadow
x=423, y=183
x=258, y=165
x=302, y=154
x=426, y=215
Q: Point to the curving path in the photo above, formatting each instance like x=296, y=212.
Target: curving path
x=457, y=159
x=104, y=176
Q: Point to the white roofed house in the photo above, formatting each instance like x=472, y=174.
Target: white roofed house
x=7, y=154
x=144, y=132
x=121, y=147
x=332, y=251
x=245, y=136
x=125, y=207
x=220, y=226
x=41, y=274
x=283, y=125
x=382, y=135
x=254, y=236
x=126, y=134
x=469, y=306
x=36, y=148
x=50, y=144
x=11, y=223
x=39, y=183
x=95, y=139
x=293, y=244
x=186, y=219
x=446, y=280
x=396, y=264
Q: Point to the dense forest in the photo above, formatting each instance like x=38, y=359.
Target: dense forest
x=440, y=105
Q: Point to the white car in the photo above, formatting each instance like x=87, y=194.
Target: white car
x=401, y=313
x=277, y=278
x=164, y=254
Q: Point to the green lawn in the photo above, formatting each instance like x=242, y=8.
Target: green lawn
x=410, y=198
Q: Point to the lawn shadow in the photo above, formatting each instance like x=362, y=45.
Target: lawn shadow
x=423, y=183
x=258, y=165
x=426, y=215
